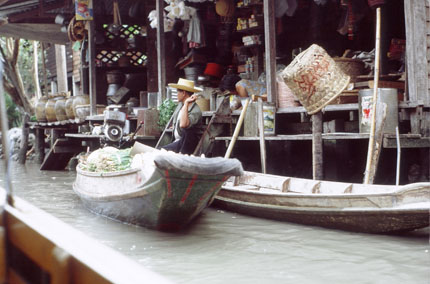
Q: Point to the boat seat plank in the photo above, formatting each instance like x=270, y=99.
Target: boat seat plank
x=266, y=181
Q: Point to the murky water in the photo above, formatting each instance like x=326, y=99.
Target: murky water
x=223, y=247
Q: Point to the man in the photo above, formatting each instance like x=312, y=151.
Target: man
x=187, y=118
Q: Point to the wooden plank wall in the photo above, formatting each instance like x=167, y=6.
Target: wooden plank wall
x=416, y=42
x=417, y=56
x=428, y=43
x=51, y=64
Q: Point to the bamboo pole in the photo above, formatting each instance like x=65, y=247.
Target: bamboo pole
x=375, y=97
x=236, y=130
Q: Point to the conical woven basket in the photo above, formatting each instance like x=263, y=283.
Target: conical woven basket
x=314, y=78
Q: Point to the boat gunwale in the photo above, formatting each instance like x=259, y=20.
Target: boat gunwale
x=106, y=174
x=324, y=209
x=397, y=191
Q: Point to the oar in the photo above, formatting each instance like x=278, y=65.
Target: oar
x=237, y=129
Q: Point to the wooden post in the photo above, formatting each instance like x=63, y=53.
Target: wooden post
x=270, y=47
x=22, y=155
x=40, y=145
x=92, y=68
x=45, y=75
x=161, y=60
x=317, y=146
x=36, y=70
x=60, y=59
x=262, y=140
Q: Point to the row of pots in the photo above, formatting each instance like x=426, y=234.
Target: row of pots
x=59, y=108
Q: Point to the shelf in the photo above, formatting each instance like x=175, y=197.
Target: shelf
x=326, y=136
x=133, y=69
x=118, y=49
x=252, y=46
x=252, y=5
x=258, y=29
x=407, y=140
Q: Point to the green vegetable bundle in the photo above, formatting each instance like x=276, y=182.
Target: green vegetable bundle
x=167, y=108
x=108, y=159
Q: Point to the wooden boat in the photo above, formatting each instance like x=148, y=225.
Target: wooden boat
x=166, y=196
x=36, y=247
x=346, y=206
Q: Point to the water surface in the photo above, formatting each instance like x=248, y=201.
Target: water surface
x=224, y=247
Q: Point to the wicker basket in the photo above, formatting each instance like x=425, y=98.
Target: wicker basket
x=315, y=78
x=351, y=67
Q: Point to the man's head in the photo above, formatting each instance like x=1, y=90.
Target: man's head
x=183, y=95
x=185, y=89
x=228, y=82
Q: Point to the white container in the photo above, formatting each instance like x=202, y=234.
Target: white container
x=385, y=95
x=269, y=114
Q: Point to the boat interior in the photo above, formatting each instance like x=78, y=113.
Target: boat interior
x=273, y=184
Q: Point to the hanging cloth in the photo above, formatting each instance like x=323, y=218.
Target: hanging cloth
x=195, y=36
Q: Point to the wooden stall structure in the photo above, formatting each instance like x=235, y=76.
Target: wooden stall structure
x=335, y=131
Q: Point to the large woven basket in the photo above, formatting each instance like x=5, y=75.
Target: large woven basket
x=315, y=78
x=351, y=67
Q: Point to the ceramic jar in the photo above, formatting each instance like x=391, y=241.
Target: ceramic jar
x=40, y=109
x=82, y=111
x=80, y=100
x=50, y=110
x=114, y=77
x=69, y=108
x=60, y=109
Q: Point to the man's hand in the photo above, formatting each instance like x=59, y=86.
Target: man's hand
x=191, y=99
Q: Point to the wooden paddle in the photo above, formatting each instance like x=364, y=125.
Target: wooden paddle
x=237, y=129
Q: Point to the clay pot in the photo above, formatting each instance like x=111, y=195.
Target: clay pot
x=80, y=100
x=114, y=77
x=82, y=111
x=60, y=109
x=69, y=108
x=40, y=109
x=50, y=110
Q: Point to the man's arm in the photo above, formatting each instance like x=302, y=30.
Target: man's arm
x=184, y=121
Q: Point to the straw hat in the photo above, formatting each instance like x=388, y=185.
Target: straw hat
x=186, y=85
x=224, y=8
x=315, y=78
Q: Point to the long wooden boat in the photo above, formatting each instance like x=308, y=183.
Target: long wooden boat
x=346, y=206
x=166, y=196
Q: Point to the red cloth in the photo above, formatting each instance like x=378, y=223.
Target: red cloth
x=375, y=3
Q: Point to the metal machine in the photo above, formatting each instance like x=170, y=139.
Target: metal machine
x=114, y=124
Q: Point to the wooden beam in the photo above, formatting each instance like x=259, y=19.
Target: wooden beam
x=390, y=142
x=39, y=12
x=41, y=32
x=161, y=60
x=270, y=47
